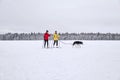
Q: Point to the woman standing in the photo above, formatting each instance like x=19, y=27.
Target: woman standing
x=46, y=38
x=55, y=38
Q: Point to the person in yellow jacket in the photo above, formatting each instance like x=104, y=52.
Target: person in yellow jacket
x=55, y=38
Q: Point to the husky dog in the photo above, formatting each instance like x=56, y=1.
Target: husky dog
x=77, y=43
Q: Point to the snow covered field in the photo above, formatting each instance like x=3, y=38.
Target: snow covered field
x=27, y=60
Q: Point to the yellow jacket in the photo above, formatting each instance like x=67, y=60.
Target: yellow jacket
x=56, y=36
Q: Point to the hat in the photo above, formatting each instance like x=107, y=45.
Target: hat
x=46, y=30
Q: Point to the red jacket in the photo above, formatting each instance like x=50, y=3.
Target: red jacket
x=46, y=36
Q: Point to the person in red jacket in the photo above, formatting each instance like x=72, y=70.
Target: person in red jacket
x=46, y=38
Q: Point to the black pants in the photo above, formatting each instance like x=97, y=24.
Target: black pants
x=45, y=42
x=55, y=42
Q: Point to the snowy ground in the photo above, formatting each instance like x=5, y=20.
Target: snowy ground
x=27, y=60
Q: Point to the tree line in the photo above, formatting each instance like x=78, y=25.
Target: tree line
x=63, y=36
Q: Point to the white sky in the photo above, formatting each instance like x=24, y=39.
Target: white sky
x=61, y=15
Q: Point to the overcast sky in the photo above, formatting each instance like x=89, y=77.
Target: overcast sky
x=60, y=15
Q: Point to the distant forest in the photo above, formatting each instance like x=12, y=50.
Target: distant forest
x=63, y=36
